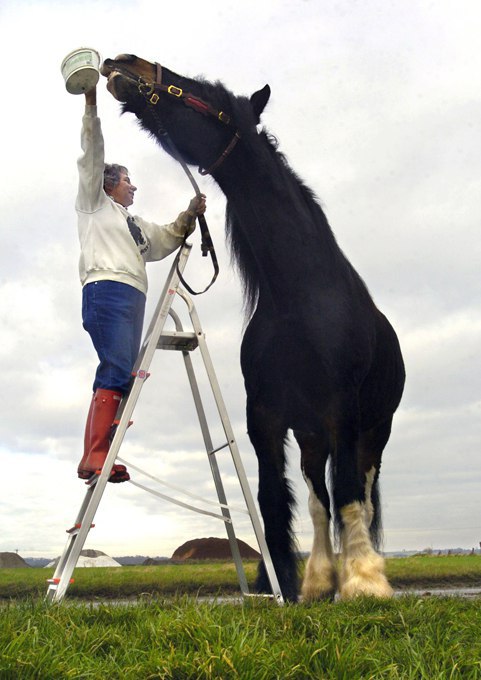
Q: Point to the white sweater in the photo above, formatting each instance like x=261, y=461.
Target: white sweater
x=108, y=249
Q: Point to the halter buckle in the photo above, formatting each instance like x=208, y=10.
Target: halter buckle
x=145, y=88
x=154, y=98
x=176, y=91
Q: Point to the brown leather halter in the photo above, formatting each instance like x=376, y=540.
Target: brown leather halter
x=149, y=91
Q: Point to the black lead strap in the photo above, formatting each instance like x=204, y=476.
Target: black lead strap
x=207, y=246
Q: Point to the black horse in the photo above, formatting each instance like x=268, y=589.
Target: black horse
x=317, y=356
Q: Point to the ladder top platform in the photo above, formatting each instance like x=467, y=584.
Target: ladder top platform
x=179, y=340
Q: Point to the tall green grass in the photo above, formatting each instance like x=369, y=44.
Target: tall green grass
x=220, y=577
x=107, y=582
x=409, y=638
x=443, y=570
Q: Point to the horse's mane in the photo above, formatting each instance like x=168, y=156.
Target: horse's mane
x=311, y=221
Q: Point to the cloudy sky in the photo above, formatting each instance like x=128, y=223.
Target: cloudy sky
x=377, y=106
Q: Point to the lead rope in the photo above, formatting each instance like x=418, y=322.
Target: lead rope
x=207, y=246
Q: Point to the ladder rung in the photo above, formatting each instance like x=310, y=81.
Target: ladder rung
x=56, y=581
x=180, y=340
x=219, y=448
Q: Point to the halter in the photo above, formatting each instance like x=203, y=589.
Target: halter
x=149, y=92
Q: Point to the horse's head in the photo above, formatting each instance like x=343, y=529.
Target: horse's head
x=204, y=120
x=124, y=74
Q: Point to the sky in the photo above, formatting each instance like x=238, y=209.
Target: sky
x=377, y=106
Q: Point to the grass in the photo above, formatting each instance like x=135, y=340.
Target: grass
x=455, y=570
x=221, y=578
x=107, y=582
x=409, y=638
x=167, y=636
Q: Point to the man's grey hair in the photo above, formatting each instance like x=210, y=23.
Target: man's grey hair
x=112, y=172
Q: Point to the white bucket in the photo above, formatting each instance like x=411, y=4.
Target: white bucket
x=80, y=70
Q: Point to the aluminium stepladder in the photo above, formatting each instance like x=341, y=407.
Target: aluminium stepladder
x=157, y=338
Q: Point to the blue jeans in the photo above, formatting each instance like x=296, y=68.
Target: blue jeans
x=113, y=315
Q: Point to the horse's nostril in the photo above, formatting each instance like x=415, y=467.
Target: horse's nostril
x=106, y=68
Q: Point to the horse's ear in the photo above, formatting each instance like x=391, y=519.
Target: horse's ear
x=259, y=100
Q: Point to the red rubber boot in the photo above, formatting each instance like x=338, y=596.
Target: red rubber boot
x=104, y=407
x=81, y=471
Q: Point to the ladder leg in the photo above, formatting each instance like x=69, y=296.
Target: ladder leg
x=256, y=524
x=76, y=542
x=59, y=583
x=234, y=546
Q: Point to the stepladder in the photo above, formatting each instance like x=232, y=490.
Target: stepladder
x=157, y=337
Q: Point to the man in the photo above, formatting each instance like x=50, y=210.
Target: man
x=114, y=248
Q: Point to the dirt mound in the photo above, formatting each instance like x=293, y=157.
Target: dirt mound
x=212, y=549
x=10, y=560
x=155, y=561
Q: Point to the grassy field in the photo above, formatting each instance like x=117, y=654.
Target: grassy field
x=408, y=637
x=221, y=578
x=162, y=635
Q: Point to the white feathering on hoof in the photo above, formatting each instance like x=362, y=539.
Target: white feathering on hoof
x=364, y=576
x=320, y=579
x=363, y=569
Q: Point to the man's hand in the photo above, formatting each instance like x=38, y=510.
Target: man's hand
x=197, y=206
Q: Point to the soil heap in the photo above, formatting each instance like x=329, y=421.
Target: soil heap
x=212, y=549
x=10, y=560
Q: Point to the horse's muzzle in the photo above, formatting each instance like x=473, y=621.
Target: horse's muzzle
x=116, y=84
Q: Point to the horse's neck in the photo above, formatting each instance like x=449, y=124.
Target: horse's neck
x=286, y=232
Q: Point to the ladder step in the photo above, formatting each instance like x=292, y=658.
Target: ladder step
x=179, y=340
x=219, y=448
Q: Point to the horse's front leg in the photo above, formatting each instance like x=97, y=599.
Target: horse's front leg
x=275, y=499
x=320, y=579
x=362, y=567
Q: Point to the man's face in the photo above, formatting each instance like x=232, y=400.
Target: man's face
x=123, y=192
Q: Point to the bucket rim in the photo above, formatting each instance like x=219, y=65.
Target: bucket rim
x=77, y=51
